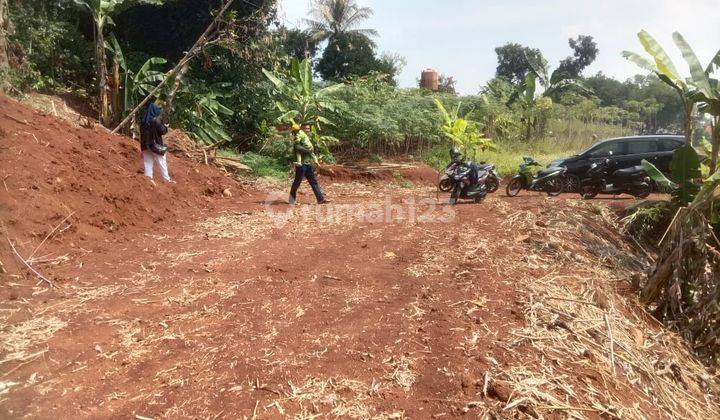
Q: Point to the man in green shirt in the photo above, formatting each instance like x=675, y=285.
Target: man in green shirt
x=304, y=154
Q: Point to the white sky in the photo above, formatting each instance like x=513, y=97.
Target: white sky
x=458, y=37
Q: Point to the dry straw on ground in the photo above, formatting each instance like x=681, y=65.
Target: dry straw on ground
x=580, y=321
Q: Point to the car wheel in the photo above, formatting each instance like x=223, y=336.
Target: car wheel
x=572, y=183
x=589, y=191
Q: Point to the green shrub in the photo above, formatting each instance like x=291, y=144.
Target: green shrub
x=265, y=166
x=648, y=219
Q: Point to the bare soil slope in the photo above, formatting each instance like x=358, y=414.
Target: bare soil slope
x=81, y=184
x=172, y=302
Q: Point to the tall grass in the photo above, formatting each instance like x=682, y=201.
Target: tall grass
x=564, y=139
x=265, y=166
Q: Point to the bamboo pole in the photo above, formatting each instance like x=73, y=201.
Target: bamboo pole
x=189, y=55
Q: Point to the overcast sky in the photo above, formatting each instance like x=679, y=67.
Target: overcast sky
x=458, y=37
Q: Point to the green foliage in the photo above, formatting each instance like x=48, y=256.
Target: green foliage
x=265, y=166
x=376, y=159
x=296, y=43
x=136, y=84
x=298, y=101
x=649, y=103
x=685, y=169
x=373, y=117
x=512, y=62
x=23, y=78
x=661, y=64
x=585, y=52
x=47, y=47
x=462, y=133
x=296, y=97
x=353, y=55
x=535, y=109
x=101, y=10
x=201, y=113
x=647, y=220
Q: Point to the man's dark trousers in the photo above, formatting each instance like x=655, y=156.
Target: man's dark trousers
x=306, y=171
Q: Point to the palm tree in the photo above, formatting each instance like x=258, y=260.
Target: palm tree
x=331, y=18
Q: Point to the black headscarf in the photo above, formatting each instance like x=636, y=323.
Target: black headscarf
x=151, y=113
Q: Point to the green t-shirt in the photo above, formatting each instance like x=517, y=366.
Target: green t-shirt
x=303, y=149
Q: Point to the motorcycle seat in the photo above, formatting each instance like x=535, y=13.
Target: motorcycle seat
x=631, y=172
x=548, y=171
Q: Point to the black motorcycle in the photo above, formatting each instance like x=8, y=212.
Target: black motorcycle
x=550, y=180
x=603, y=178
x=468, y=182
x=445, y=181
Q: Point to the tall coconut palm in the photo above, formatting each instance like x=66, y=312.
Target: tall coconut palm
x=331, y=18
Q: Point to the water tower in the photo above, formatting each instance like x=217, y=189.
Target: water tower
x=429, y=79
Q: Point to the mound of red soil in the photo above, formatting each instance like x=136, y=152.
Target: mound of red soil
x=421, y=174
x=53, y=171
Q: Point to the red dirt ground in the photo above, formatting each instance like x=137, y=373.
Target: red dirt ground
x=175, y=302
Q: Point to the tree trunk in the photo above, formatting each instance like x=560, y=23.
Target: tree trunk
x=4, y=25
x=117, y=109
x=688, y=121
x=100, y=63
x=175, y=87
x=715, y=133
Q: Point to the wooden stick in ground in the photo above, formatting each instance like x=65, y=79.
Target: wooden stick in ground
x=30, y=267
x=189, y=55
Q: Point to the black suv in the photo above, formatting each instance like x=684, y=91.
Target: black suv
x=625, y=151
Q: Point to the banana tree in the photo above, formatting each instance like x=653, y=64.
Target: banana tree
x=661, y=64
x=297, y=99
x=535, y=105
x=202, y=113
x=299, y=102
x=464, y=134
x=136, y=83
x=684, y=169
x=100, y=11
x=706, y=93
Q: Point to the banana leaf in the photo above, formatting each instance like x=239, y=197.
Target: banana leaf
x=714, y=64
x=656, y=175
x=685, y=165
x=640, y=61
x=699, y=77
x=662, y=59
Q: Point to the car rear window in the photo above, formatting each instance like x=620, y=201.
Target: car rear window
x=635, y=147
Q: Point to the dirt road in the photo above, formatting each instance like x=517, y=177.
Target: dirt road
x=385, y=304
x=239, y=315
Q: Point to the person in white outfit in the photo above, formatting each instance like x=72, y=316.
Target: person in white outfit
x=151, y=142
